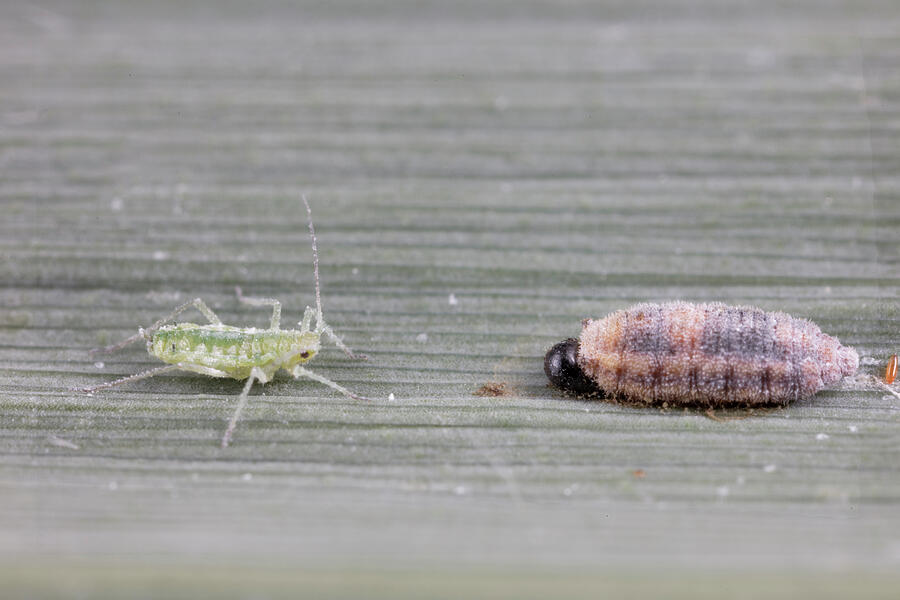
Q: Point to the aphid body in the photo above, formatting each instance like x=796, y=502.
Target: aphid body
x=700, y=354
x=220, y=350
x=233, y=350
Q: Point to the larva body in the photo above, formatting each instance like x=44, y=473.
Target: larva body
x=701, y=354
x=234, y=351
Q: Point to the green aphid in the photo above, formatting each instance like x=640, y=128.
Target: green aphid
x=219, y=350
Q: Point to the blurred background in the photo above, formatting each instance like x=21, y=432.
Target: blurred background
x=483, y=175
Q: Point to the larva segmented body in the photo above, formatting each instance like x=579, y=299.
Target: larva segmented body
x=700, y=354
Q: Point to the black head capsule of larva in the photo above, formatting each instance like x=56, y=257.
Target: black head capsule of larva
x=561, y=367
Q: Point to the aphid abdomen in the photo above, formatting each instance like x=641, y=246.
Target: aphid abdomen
x=712, y=354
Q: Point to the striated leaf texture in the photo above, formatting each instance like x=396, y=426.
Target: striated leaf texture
x=482, y=176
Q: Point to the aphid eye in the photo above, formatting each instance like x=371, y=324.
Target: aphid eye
x=561, y=367
x=304, y=355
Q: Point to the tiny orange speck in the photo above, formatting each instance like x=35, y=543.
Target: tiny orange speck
x=890, y=374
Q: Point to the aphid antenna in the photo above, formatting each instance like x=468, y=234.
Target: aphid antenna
x=315, y=251
x=321, y=326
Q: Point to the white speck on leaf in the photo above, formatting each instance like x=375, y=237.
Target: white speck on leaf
x=760, y=57
x=822, y=436
x=770, y=468
x=422, y=338
x=391, y=397
x=853, y=428
x=58, y=441
x=452, y=301
x=460, y=490
x=247, y=477
x=160, y=255
x=99, y=364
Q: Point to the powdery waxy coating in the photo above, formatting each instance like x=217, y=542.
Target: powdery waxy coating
x=710, y=354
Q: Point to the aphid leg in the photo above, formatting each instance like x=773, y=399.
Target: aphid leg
x=323, y=327
x=140, y=335
x=130, y=378
x=203, y=370
x=145, y=333
x=256, y=374
x=275, y=304
x=196, y=303
x=307, y=320
x=298, y=371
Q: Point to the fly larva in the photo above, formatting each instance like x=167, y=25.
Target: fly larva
x=700, y=354
x=219, y=350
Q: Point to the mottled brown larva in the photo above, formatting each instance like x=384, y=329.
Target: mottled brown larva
x=700, y=354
